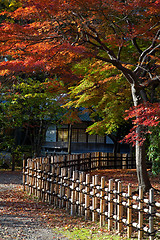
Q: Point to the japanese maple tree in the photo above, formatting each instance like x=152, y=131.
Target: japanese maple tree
x=105, y=95
x=48, y=35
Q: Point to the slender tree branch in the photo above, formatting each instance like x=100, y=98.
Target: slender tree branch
x=134, y=41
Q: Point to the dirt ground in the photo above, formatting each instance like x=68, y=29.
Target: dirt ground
x=18, y=220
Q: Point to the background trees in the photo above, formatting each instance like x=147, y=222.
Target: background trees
x=29, y=105
x=27, y=109
x=50, y=35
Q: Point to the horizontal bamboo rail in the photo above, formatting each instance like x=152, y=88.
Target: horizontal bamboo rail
x=74, y=191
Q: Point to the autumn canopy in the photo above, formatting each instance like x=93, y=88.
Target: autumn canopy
x=122, y=37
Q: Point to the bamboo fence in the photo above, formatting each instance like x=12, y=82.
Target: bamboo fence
x=94, y=160
x=96, y=200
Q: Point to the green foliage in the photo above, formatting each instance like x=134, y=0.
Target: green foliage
x=9, y=5
x=154, y=149
x=104, y=91
x=30, y=106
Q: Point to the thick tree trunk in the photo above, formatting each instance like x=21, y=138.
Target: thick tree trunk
x=141, y=166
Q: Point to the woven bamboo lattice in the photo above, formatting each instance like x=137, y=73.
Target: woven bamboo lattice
x=97, y=200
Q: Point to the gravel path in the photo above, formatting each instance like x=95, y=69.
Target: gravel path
x=18, y=218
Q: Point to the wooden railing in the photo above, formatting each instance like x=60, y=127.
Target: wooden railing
x=94, y=160
x=96, y=200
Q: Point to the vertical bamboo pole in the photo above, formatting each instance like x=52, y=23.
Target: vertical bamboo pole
x=57, y=186
x=63, y=186
x=52, y=184
x=24, y=176
x=27, y=176
x=140, y=231
x=87, y=193
x=110, y=205
x=60, y=188
x=36, y=176
x=48, y=189
x=96, y=199
x=129, y=212
x=93, y=199
x=32, y=177
x=80, y=193
x=40, y=179
x=68, y=189
x=116, y=206
x=73, y=194
x=99, y=160
x=78, y=163
x=151, y=214
x=120, y=207
x=43, y=181
x=76, y=192
x=102, y=202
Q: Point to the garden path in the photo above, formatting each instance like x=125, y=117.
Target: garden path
x=22, y=217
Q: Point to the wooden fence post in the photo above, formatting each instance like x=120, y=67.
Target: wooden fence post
x=87, y=193
x=140, y=231
x=63, y=186
x=73, y=194
x=96, y=199
x=151, y=214
x=40, y=179
x=76, y=191
x=36, y=177
x=82, y=200
x=110, y=205
x=78, y=162
x=24, y=176
x=52, y=184
x=93, y=197
x=129, y=212
x=32, y=177
x=43, y=181
x=99, y=160
x=48, y=183
x=57, y=186
x=68, y=189
x=120, y=207
x=60, y=188
x=102, y=202
x=90, y=161
x=80, y=211
x=116, y=203
x=27, y=176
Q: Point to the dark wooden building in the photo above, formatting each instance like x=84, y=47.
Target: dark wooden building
x=77, y=140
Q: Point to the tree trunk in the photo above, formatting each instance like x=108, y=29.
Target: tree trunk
x=141, y=167
x=13, y=161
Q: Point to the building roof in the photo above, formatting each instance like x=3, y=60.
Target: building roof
x=84, y=115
